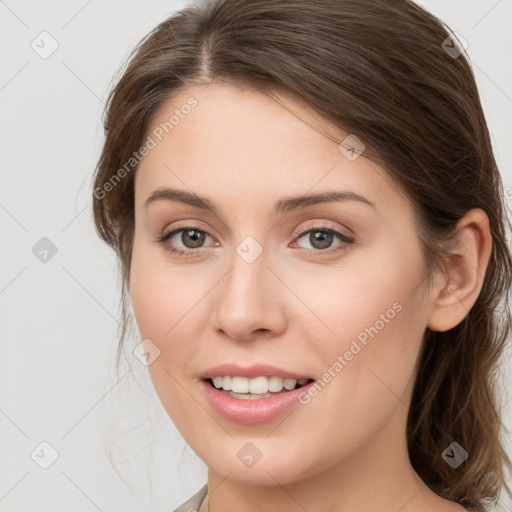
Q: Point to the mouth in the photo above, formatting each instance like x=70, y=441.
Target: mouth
x=255, y=400
x=257, y=388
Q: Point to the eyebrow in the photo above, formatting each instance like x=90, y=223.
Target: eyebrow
x=284, y=205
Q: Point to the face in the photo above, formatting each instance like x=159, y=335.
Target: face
x=325, y=294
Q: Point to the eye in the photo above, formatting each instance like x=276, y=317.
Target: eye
x=192, y=239
x=321, y=239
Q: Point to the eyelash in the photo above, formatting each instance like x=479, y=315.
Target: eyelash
x=298, y=234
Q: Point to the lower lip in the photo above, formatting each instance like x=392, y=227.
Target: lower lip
x=252, y=412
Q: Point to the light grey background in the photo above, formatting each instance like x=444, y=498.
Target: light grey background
x=59, y=318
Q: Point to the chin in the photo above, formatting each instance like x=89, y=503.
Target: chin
x=246, y=461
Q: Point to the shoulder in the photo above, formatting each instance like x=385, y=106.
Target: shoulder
x=193, y=504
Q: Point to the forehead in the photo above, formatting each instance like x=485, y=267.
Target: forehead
x=223, y=140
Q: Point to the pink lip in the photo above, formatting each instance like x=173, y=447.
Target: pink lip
x=258, y=370
x=252, y=412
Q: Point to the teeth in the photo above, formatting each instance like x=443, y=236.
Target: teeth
x=240, y=385
x=289, y=384
x=275, y=384
x=257, y=385
x=227, y=383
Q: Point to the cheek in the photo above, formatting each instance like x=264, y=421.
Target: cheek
x=368, y=327
x=368, y=364
x=162, y=310
x=162, y=296
x=363, y=300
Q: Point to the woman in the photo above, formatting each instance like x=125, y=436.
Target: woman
x=311, y=231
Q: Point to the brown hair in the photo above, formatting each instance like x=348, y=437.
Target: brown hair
x=378, y=70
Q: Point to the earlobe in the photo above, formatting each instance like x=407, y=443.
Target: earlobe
x=458, y=290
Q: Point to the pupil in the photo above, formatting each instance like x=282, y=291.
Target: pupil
x=320, y=242
x=196, y=237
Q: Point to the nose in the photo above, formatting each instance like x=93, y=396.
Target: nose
x=250, y=301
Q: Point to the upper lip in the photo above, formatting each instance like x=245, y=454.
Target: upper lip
x=255, y=370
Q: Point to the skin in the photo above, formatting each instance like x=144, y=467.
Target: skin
x=346, y=450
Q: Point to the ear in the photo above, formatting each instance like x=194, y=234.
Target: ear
x=457, y=291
